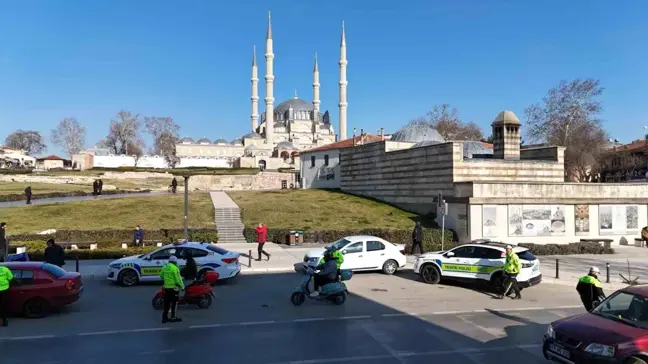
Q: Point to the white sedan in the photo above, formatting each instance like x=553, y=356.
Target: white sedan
x=364, y=253
x=129, y=271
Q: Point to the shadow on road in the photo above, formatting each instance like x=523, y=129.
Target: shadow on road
x=482, y=287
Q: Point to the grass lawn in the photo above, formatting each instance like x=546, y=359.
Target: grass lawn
x=160, y=212
x=318, y=210
x=18, y=188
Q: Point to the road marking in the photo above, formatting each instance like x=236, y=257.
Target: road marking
x=300, y=320
x=464, y=351
x=382, y=338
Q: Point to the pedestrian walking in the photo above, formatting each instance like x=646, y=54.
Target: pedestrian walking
x=262, y=237
x=100, y=186
x=4, y=246
x=172, y=286
x=417, y=238
x=512, y=268
x=174, y=185
x=54, y=254
x=5, y=280
x=95, y=188
x=28, y=194
x=138, y=236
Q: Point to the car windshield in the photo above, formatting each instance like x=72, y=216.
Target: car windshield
x=57, y=272
x=628, y=308
x=216, y=249
x=339, y=244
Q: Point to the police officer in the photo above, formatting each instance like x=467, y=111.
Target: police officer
x=512, y=268
x=589, y=288
x=172, y=286
x=5, y=278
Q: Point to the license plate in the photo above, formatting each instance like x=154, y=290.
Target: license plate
x=558, y=350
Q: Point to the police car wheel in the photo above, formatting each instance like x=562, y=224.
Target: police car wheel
x=128, y=278
x=635, y=360
x=430, y=274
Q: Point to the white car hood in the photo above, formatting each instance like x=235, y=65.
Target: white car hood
x=129, y=259
x=432, y=255
x=315, y=253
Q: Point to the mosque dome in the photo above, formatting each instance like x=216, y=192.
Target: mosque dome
x=204, y=141
x=471, y=148
x=237, y=142
x=187, y=140
x=250, y=148
x=286, y=145
x=220, y=141
x=252, y=135
x=425, y=143
x=417, y=133
x=296, y=104
x=279, y=124
x=507, y=117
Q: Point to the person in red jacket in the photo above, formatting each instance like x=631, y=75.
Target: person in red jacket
x=262, y=237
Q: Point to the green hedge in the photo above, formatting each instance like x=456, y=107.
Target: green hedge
x=40, y=196
x=117, y=236
x=116, y=253
x=15, y=171
x=567, y=249
x=431, y=237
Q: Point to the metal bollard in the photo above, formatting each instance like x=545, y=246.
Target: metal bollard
x=607, y=272
x=557, y=268
x=77, y=263
x=250, y=258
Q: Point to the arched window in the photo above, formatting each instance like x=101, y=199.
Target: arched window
x=262, y=165
x=285, y=155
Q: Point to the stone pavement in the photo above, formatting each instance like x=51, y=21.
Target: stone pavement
x=49, y=201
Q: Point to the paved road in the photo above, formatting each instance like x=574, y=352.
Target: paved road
x=49, y=201
x=386, y=320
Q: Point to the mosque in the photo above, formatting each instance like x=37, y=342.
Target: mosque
x=293, y=126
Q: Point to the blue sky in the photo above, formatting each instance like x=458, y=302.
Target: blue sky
x=191, y=59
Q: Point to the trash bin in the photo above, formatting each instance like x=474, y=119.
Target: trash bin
x=295, y=237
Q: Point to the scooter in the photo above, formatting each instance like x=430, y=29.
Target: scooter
x=335, y=292
x=198, y=293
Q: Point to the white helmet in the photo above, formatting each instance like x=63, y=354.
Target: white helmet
x=594, y=270
x=173, y=259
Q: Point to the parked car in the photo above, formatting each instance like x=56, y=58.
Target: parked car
x=38, y=288
x=131, y=270
x=479, y=260
x=364, y=253
x=615, y=331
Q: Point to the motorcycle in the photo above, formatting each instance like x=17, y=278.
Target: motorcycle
x=335, y=292
x=198, y=293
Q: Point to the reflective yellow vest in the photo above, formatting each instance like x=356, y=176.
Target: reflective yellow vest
x=5, y=277
x=512, y=264
x=171, y=275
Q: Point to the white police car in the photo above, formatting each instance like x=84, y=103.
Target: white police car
x=480, y=260
x=129, y=271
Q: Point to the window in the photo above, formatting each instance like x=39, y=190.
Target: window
x=339, y=244
x=488, y=253
x=217, y=250
x=373, y=246
x=57, y=272
x=198, y=253
x=354, y=248
x=625, y=307
x=312, y=161
x=23, y=276
x=163, y=254
x=326, y=160
x=526, y=255
x=464, y=252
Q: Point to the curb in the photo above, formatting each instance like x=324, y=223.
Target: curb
x=560, y=282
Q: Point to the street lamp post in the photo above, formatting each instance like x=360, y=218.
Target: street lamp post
x=186, y=208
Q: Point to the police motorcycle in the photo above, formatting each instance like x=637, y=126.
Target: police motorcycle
x=335, y=292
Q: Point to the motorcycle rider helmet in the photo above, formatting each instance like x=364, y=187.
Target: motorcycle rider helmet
x=173, y=259
x=328, y=255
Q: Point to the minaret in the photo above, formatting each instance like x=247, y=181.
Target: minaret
x=269, y=78
x=316, y=86
x=343, y=87
x=255, y=92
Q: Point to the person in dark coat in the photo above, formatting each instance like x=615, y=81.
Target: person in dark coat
x=138, y=236
x=28, y=194
x=417, y=238
x=174, y=185
x=54, y=254
x=100, y=186
x=4, y=246
x=95, y=187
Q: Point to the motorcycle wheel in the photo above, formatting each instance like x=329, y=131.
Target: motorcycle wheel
x=158, y=302
x=204, y=302
x=298, y=298
x=339, y=298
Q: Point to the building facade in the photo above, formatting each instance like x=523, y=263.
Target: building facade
x=501, y=192
x=280, y=133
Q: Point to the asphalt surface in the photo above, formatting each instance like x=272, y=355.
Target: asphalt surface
x=385, y=320
x=49, y=201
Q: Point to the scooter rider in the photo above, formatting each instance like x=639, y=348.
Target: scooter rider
x=190, y=271
x=172, y=286
x=590, y=289
x=327, y=273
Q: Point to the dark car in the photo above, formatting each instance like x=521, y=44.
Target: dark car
x=615, y=331
x=39, y=287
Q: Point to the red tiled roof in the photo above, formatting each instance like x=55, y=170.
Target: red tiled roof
x=347, y=143
x=51, y=158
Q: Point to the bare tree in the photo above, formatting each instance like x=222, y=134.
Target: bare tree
x=165, y=133
x=135, y=150
x=445, y=119
x=28, y=140
x=568, y=116
x=69, y=135
x=124, y=132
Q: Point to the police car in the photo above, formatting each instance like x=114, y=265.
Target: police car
x=129, y=271
x=479, y=260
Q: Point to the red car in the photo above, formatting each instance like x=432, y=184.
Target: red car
x=616, y=331
x=39, y=287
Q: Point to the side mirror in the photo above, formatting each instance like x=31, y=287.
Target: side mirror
x=450, y=254
x=344, y=252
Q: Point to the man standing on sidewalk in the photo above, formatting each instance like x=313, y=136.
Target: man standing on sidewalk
x=4, y=246
x=262, y=236
x=417, y=238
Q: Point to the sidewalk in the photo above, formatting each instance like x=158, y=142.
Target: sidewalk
x=283, y=259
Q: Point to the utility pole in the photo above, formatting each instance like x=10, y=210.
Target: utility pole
x=186, y=208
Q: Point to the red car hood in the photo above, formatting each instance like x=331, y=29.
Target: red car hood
x=590, y=328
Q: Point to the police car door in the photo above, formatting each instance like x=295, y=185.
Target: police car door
x=489, y=261
x=461, y=264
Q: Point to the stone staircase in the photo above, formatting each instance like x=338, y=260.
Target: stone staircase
x=228, y=218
